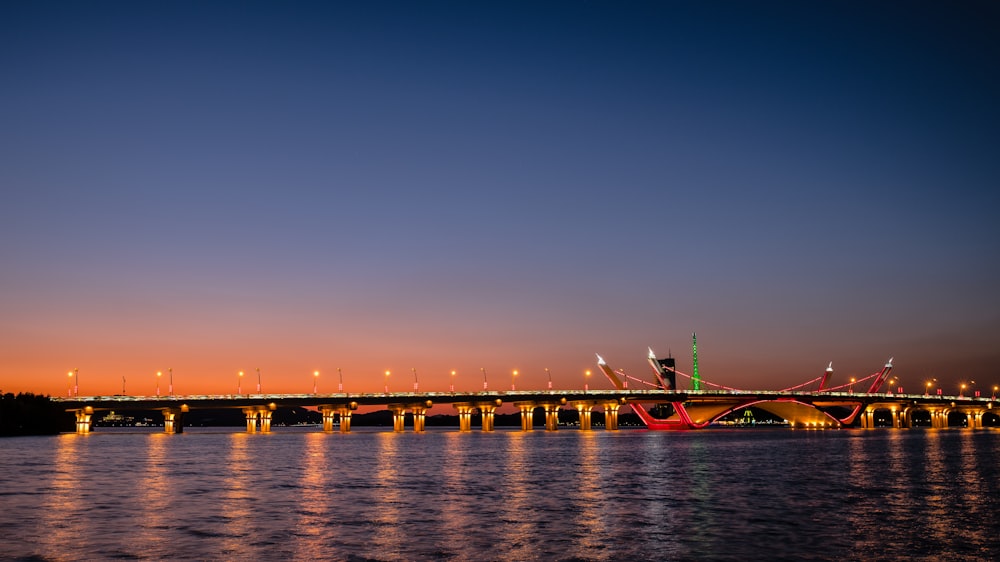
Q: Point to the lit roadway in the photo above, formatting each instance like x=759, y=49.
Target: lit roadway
x=383, y=399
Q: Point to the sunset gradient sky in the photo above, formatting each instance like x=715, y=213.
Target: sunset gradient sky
x=300, y=186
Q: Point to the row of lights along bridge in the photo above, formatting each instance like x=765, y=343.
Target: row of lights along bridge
x=74, y=376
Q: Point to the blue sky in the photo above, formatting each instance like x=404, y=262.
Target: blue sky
x=451, y=185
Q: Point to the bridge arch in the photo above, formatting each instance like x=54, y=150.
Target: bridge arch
x=957, y=418
x=920, y=417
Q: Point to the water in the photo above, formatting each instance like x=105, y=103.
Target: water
x=508, y=495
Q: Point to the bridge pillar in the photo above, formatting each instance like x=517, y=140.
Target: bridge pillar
x=611, y=416
x=398, y=418
x=939, y=418
x=868, y=418
x=251, y=415
x=583, y=409
x=328, y=418
x=464, y=416
x=551, y=417
x=173, y=419
x=488, y=411
x=83, y=420
x=265, y=421
x=345, y=419
x=527, y=415
x=419, y=417
x=975, y=419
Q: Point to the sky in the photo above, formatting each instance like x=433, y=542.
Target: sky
x=215, y=187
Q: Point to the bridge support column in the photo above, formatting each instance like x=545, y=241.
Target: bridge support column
x=83, y=420
x=583, y=409
x=527, y=415
x=419, y=417
x=976, y=419
x=173, y=420
x=398, y=418
x=265, y=421
x=551, y=417
x=487, y=411
x=464, y=416
x=611, y=416
x=868, y=418
x=328, y=418
x=345, y=419
x=251, y=415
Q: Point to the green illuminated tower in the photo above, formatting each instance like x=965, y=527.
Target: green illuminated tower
x=695, y=379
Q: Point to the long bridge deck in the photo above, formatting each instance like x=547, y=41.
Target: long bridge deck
x=799, y=408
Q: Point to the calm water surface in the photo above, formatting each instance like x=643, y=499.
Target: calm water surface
x=508, y=495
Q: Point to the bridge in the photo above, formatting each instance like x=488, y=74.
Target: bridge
x=673, y=409
x=692, y=409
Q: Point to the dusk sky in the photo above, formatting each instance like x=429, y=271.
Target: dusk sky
x=299, y=186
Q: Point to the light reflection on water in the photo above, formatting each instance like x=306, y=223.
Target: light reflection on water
x=719, y=494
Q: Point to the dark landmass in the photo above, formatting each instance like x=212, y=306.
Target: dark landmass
x=32, y=414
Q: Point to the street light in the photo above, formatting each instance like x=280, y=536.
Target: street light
x=258, y=380
x=550, y=377
x=239, y=384
x=586, y=379
x=852, y=385
x=995, y=389
x=927, y=390
x=170, y=389
x=961, y=390
x=158, y=375
x=485, y=386
x=452, y=387
x=416, y=385
x=512, y=375
x=69, y=389
x=340, y=385
x=387, y=382
x=315, y=380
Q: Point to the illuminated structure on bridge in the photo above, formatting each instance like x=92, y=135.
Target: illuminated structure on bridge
x=672, y=408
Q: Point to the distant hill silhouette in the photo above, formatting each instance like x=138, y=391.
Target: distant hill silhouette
x=32, y=414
